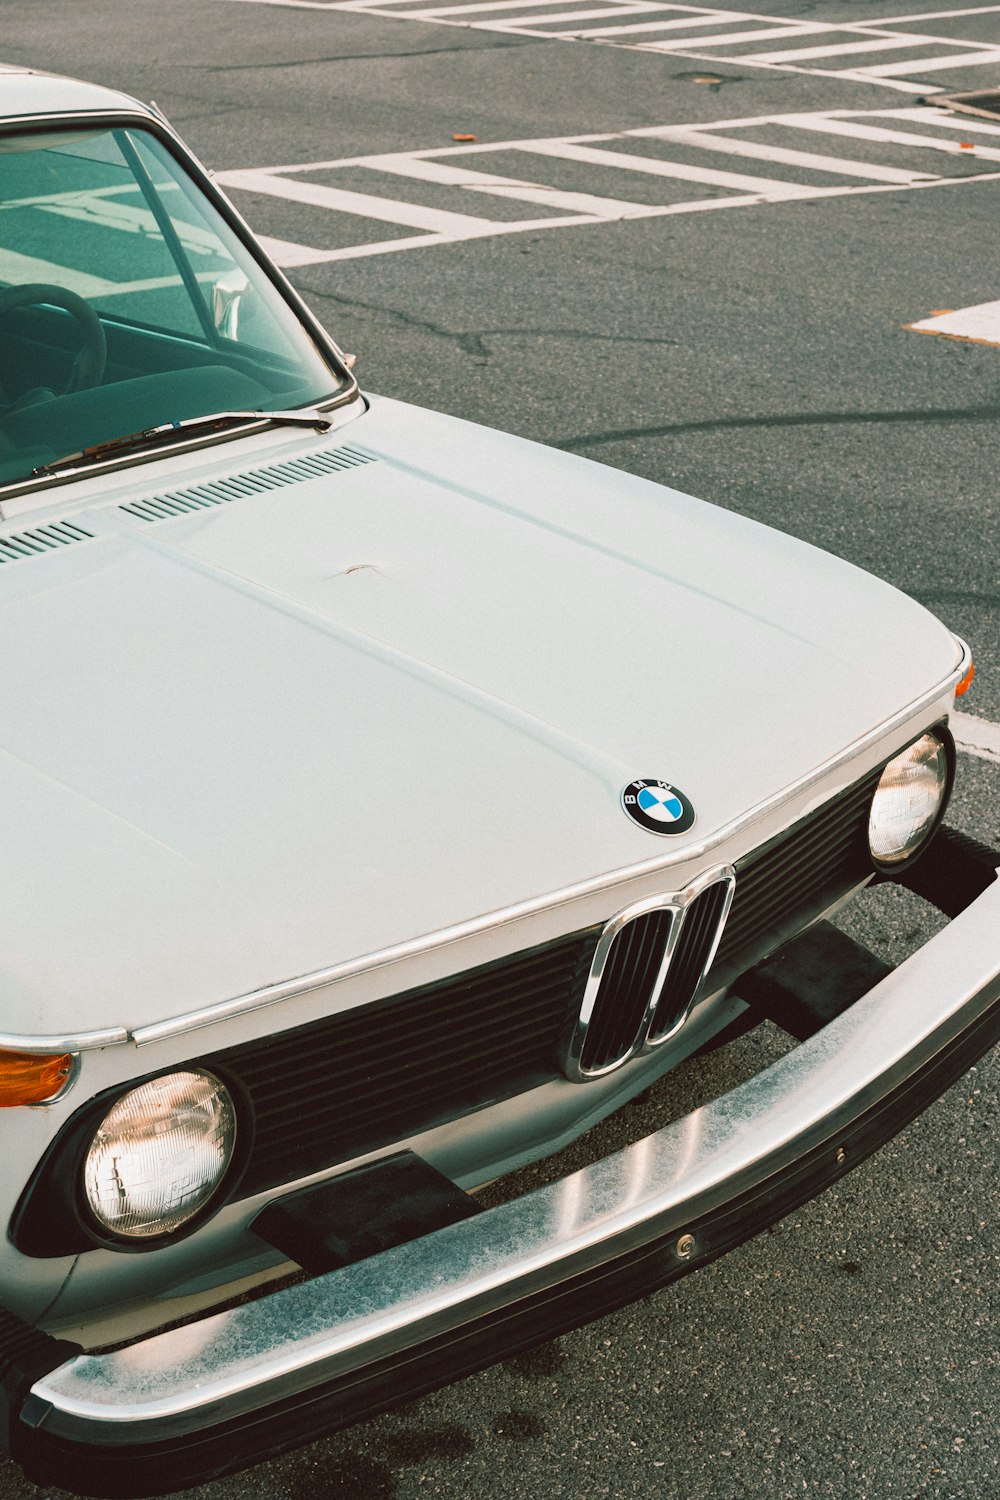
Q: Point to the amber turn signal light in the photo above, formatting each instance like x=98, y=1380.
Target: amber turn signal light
x=966, y=682
x=25, y=1079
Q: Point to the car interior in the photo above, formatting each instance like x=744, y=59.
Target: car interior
x=127, y=302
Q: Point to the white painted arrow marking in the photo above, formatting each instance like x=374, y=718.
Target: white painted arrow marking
x=979, y=324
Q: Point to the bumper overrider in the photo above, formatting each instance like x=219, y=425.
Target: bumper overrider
x=211, y=1396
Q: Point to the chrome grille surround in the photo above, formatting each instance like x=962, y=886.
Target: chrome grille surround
x=630, y=1004
x=705, y=910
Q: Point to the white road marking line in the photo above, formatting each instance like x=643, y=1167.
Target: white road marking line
x=803, y=119
x=444, y=166
x=766, y=187
x=581, y=203
x=976, y=736
x=479, y=148
x=734, y=38
x=423, y=170
x=733, y=146
x=386, y=210
x=448, y=175
x=942, y=15
x=434, y=12
x=846, y=49
x=668, y=25
x=936, y=64
x=294, y=4
x=829, y=125
x=618, y=9
x=979, y=324
x=886, y=75
x=499, y=228
x=845, y=75
x=290, y=256
x=940, y=120
x=698, y=205
x=443, y=174
x=286, y=253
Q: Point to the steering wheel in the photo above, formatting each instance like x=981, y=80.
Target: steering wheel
x=88, y=366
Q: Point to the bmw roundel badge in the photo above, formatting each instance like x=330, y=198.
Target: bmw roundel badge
x=657, y=806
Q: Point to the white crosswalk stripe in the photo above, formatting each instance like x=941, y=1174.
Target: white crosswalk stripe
x=713, y=140
x=621, y=161
x=648, y=172
x=854, y=50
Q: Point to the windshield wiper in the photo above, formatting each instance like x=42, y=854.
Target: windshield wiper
x=189, y=426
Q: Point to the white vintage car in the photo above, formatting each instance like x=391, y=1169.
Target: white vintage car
x=386, y=801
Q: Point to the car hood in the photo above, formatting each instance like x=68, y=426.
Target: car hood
x=249, y=735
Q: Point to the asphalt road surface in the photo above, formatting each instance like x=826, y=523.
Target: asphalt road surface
x=688, y=243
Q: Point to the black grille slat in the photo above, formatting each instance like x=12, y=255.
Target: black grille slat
x=613, y=1021
x=435, y=1044
x=794, y=877
x=439, y=1060
x=764, y=904
x=395, y=1026
x=688, y=963
x=626, y=989
x=763, y=894
x=370, y=1077
x=322, y=1092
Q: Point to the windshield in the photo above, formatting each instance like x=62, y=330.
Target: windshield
x=127, y=302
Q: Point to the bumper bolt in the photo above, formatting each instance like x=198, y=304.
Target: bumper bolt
x=685, y=1246
x=841, y=1156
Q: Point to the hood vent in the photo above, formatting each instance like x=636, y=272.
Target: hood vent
x=254, y=482
x=41, y=539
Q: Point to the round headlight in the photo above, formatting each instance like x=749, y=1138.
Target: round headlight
x=909, y=801
x=159, y=1154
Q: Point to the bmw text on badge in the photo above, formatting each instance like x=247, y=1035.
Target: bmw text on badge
x=657, y=806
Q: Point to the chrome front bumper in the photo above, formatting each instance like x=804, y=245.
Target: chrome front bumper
x=182, y=1406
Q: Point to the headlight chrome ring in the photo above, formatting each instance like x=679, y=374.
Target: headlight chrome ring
x=159, y=1156
x=910, y=800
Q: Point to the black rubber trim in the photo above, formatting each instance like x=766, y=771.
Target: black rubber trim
x=961, y=870
x=25, y=1354
x=811, y=980
x=158, y=1468
x=375, y=1206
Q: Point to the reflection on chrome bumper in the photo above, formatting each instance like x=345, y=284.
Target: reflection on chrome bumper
x=233, y=1387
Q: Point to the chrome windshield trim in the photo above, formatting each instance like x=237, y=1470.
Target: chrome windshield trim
x=18, y=489
x=273, y=994
x=330, y=350
x=237, y=1361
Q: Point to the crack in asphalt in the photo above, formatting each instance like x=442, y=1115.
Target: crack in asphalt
x=469, y=343
x=942, y=414
x=179, y=116
x=340, y=57
x=474, y=343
